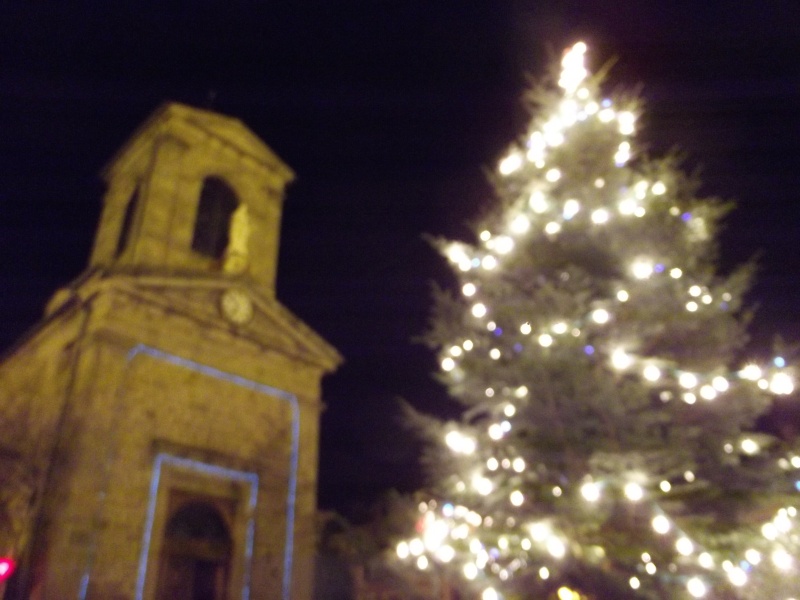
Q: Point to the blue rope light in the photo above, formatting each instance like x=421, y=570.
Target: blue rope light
x=213, y=470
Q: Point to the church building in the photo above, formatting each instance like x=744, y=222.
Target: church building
x=160, y=425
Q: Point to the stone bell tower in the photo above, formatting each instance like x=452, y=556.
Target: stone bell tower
x=163, y=417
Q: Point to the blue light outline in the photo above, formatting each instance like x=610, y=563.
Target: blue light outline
x=291, y=492
x=208, y=469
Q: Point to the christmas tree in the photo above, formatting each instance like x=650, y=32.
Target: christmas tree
x=608, y=446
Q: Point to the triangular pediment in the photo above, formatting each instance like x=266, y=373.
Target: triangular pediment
x=199, y=300
x=190, y=125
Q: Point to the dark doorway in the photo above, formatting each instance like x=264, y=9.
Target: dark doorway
x=195, y=558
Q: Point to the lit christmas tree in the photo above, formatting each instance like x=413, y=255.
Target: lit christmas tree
x=608, y=447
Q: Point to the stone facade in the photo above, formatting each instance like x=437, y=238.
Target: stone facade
x=160, y=425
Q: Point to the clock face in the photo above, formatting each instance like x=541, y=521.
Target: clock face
x=236, y=306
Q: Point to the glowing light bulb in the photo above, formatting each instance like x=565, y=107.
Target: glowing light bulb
x=503, y=244
x=516, y=498
x=627, y=122
x=750, y=372
x=545, y=340
x=552, y=175
x=620, y=359
x=469, y=289
x=684, y=546
x=544, y=573
x=448, y=364
x=687, y=380
x=665, y=486
x=706, y=560
x=494, y=354
x=623, y=154
x=571, y=208
x=781, y=384
x=510, y=163
x=590, y=491
x=720, y=383
x=642, y=269
x=402, y=550
x=753, y=556
x=560, y=328
x=489, y=262
x=490, y=594
x=479, y=310
x=600, y=216
x=707, y=392
x=692, y=306
x=556, y=547
x=552, y=228
x=573, y=71
x=564, y=593
x=518, y=465
x=652, y=373
x=623, y=296
x=627, y=206
x=482, y=485
x=553, y=136
x=634, y=583
x=782, y=559
x=416, y=547
x=661, y=524
x=520, y=224
x=460, y=443
x=675, y=273
x=633, y=491
x=600, y=316
x=737, y=577
x=750, y=446
x=658, y=189
x=537, y=202
x=650, y=568
x=606, y=115
x=696, y=587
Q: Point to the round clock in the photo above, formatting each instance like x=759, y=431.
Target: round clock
x=236, y=306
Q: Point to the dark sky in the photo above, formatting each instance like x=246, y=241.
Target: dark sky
x=389, y=112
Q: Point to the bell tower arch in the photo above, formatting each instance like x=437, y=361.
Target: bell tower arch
x=193, y=193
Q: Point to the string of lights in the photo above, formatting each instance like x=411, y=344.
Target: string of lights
x=515, y=513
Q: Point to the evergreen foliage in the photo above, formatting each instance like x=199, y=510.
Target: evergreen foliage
x=608, y=445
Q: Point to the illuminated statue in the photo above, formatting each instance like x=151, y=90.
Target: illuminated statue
x=236, y=253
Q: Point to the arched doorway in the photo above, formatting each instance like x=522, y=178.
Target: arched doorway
x=195, y=556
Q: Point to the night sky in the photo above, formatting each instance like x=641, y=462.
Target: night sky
x=390, y=113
